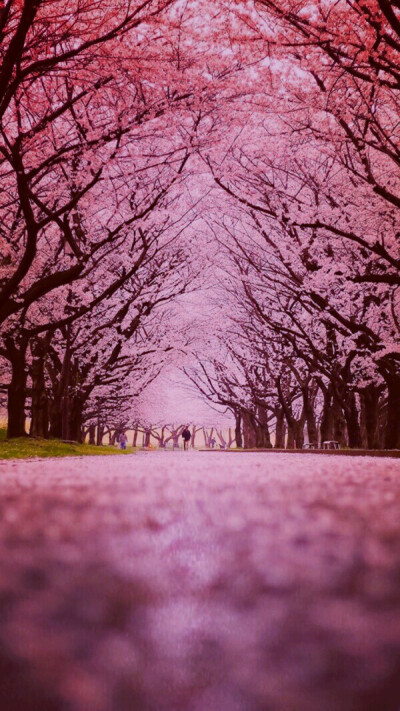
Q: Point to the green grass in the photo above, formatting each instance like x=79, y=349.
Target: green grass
x=27, y=447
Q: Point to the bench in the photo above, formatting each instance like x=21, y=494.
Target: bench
x=330, y=444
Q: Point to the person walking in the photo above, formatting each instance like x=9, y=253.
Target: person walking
x=123, y=440
x=186, y=438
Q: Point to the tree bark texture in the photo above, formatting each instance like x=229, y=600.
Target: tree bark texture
x=40, y=402
x=370, y=409
x=17, y=390
x=280, y=429
x=249, y=434
x=238, y=430
x=392, y=434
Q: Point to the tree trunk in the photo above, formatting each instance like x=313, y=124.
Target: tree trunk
x=382, y=421
x=17, y=390
x=99, y=433
x=295, y=434
x=327, y=419
x=363, y=423
x=352, y=421
x=147, y=434
x=339, y=430
x=65, y=417
x=16, y=406
x=290, y=437
x=309, y=415
x=263, y=438
x=231, y=438
x=299, y=431
x=55, y=418
x=280, y=429
x=135, y=436
x=40, y=403
x=249, y=435
x=339, y=423
x=392, y=433
x=75, y=416
x=161, y=438
x=92, y=434
x=238, y=430
x=370, y=409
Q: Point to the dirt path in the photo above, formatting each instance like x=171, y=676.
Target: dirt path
x=191, y=582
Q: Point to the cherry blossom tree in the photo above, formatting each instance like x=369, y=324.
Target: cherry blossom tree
x=255, y=143
x=339, y=107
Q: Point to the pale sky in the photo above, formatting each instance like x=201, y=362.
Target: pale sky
x=172, y=399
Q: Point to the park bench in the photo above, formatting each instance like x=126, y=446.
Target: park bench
x=330, y=444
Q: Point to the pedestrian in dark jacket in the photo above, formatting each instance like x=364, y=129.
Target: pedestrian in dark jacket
x=186, y=438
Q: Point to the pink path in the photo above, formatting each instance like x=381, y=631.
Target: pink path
x=193, y=582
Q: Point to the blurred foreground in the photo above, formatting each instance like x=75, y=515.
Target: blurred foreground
x=195, y=582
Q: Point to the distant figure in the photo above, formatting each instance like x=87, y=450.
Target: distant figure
x=123, y=440
x=186, y=438
x=212, y=442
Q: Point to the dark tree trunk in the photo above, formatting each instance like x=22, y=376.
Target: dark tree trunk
x=55, y=418
x=238, y=430
x=16, y=390
x=309, y=415
x=75, y=417
x=67, y=382
x=299, y=431
x=295, y=433
x=99, y=433
x=92, y=434
x=40, y=403
x=16, y=406
x=392, y=433
x=267, y=444
x=39, y=413
x=147, y=435
x=295, y=436
x=135, y=436
x=249, y=435
x=339, y=422
x=327, y=419
x=333, y=424
x=280, y=429
x=363, y=424
x=263, y=438
x=382, y=419
x=352, y=421
x=290, y=437
x=370, y=410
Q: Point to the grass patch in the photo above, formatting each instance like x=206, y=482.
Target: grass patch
x=28, y=447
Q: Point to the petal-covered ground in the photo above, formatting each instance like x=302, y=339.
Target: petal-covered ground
x=200, y=582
